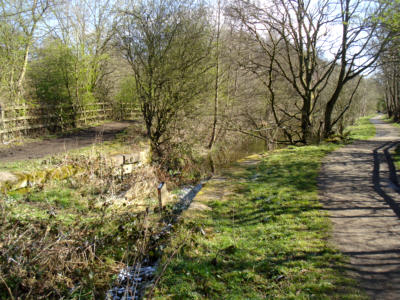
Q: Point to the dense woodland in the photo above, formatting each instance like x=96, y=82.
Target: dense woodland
x=285, y=72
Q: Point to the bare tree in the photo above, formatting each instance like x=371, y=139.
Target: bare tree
x=359, y=49
x=167, y=45
x=217, y=77
x=309, y=53
x=88, y=28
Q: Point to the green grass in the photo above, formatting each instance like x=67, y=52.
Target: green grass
x=261, y=234
x=395, y=153
x=66, y=203
x=265, y=236
x=362, y=130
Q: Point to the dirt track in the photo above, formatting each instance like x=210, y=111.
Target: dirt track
x=364, y=208
x=83, y=138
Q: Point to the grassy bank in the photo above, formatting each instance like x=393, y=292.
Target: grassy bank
x=390, y=120
x=257, y=232
x=362, y=130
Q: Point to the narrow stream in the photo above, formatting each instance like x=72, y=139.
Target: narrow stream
x=223, y=157
x=132, y=281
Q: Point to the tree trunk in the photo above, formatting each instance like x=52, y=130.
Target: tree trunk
x=216, y=94
x=23, y=72
x=216, y=105
x=329, y=110
x=305, y=121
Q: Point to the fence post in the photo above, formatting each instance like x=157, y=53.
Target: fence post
x=3, y=123
x=160, y=186
x=62, y=118
x=25, y=122
x=131, y=110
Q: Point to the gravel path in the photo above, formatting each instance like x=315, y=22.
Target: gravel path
x=362, y=203
x=82, y=138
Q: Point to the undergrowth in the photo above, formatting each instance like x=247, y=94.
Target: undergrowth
x=70, y=238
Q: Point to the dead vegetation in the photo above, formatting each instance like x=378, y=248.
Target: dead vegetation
x=68, y=238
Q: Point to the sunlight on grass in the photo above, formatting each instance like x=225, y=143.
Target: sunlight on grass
x=362, y=130
x=261, y=233
x=258, y=232
x=264, y=237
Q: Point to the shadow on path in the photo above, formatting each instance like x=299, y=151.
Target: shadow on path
x=392, y=176
x=358, y=186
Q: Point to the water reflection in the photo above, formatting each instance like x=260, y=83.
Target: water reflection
x=224, y=155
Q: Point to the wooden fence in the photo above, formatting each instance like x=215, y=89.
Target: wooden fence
x=23, y=119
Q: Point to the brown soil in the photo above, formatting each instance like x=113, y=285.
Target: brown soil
x=82, y=138
x=364, y=209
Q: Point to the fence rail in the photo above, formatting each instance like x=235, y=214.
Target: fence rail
x=20, y=120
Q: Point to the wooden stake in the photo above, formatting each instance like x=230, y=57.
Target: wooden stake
x=3, y=124
x=159, y=195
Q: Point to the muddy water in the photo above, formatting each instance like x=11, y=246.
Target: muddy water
x=223, y=156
